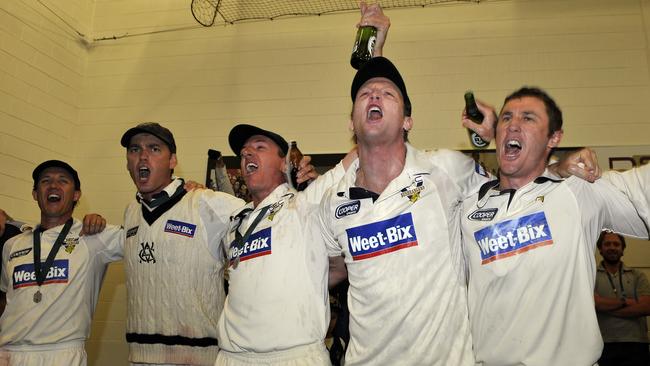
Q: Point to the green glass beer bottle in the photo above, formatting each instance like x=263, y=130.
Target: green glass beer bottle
x=476, y=116
x=364, y=45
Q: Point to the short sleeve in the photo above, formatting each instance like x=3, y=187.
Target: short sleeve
x=111, y=243
x=466, y=173
x=642, y=285
x=332, y=245
x=215, y=209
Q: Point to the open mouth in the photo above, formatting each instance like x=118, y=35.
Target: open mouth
x=512, y=148
x=375, y=113
x=251, y=167
x=143, y=173
x=53, y=197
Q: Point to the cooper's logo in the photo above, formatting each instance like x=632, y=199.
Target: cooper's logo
x=382, y=237
x=347, y=209
x=19, y=253
x=483, y=215
x=257, y=245
x=512, y=237
x=180, y=228
x=25, y=276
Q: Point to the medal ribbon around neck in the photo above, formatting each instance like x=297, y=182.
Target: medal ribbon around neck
x=41, y=271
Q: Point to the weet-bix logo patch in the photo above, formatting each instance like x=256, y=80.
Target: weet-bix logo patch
x=25, y=276
x=382, y=237
x=180, y=228
x=257, y=245
x=512, y=237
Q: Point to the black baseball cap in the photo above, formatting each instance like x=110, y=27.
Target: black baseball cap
x=152, y=128
x=36, y=174
x=380, y=67
x=241, y=133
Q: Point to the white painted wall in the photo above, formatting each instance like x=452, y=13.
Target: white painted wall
x=61, y=99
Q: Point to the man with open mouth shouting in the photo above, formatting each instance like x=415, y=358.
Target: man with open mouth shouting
x=52, y=276
x=529, y=236
x=173, y=259
x=277, y=309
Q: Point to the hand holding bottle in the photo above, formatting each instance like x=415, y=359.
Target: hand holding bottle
x=372, y=15
x=480, y=119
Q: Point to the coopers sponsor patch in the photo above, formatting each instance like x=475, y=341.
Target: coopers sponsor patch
x=486, y=214
x=19, y=253
x=180, y=228
x=347, y=209
x=382, y=237
x=257, y=245
x=24, y=274
x=512, y=237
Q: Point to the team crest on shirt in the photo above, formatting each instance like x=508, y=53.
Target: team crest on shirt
x=70, y=244
x=257, y=245
x=146, y=253
x=274, y=209
x=513, y=237
x=180, y=228
x=25, y=276
x=383, y=237
x=19, y=253
x=413, y=191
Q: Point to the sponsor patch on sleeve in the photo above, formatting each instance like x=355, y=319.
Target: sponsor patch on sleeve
x=131, y=232
x=512, y=237
x=257, y=245
x=180, y=228
x=25, y=276
x=382, y=237
x=19, y=253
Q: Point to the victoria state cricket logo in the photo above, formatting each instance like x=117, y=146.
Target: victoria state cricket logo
x=146, y=253
x=70, y=244
x=413, y=191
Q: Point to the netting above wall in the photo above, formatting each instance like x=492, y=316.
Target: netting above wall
x=231, y=11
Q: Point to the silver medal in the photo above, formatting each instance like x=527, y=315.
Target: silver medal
x=38, y=296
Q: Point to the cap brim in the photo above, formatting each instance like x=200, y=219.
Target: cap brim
x=380, y=67
x=56, y=164
x=241, y=133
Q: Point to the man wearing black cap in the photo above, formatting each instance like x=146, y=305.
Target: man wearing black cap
x=52, y=276
x=394, y=220
x=277, y=309
x=173, y=260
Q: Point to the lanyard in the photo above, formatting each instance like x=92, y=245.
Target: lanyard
x=620, y=280
x=41, y=271
x=239, y=239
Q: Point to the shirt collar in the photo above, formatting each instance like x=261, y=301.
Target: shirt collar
x=412, y=167
x=161, y=196
x=546, y=176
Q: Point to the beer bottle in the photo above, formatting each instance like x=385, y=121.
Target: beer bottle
x=364, y=45
x=475, y=115
x=294, y=163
